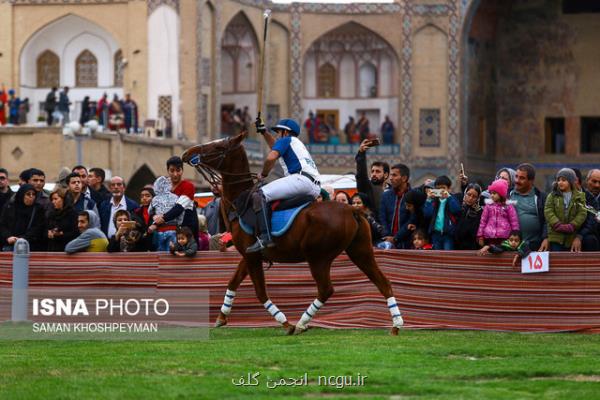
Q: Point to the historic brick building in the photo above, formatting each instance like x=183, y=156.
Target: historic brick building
x=484, y=82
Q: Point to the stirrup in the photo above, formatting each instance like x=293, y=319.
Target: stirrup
x=259, y=245
x=256, y=247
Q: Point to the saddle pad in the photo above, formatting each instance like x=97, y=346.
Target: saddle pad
x=281, y=221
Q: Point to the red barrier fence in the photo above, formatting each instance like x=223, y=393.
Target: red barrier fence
x=439, y=290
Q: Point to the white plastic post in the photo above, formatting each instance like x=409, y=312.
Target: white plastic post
x=20, y=281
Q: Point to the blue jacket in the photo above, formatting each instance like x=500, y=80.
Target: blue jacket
x=452, y=212
x=387, y=208
x=104, y=211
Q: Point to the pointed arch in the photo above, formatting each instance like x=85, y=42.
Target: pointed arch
x=142, y=177
x=240, y=43
x=66, y=37
x=48, y=70
x=86, y=69
x=429, y=25
x=363, y=54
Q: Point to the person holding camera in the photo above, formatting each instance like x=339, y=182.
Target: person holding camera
x=128, y=234
x=372, y=184
x=443, y=209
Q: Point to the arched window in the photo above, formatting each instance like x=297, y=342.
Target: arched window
x=119, y=68
x=326, y=82
x=48, y=70
x=368, y=80
x=86, y=70
x=240, y=45
x=362, y=64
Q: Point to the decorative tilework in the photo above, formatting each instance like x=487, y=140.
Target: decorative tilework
x=429, y=127
x=357, y=8
x=165, y=107
x=201, y=106
x=203, y=127
x=431, y=9
x=454, y=146
x=296, y=64
x=406, y=87
x=217, y=72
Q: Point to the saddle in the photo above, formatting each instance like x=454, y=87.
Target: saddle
x=282, y=218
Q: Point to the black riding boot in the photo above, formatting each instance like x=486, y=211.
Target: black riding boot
x=263, y=227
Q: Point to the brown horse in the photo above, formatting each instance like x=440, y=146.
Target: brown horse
x=318, y=235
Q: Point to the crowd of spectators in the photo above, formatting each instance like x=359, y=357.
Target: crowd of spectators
x=323, y=131
x=116, y=114
x=13, y=109
x=510, y=214
x=81, y=213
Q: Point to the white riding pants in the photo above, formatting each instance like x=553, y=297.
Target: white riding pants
x=290, y=186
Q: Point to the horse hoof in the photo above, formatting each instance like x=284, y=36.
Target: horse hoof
x=299, y=330
x=394, y=331
x=286, y=326
x=221, y=321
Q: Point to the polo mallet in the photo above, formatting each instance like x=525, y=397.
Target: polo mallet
x=261, y=71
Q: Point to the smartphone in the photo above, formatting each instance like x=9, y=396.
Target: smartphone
x=374, y=142
x=437, y=192
x=462, y=169
x=128, y=224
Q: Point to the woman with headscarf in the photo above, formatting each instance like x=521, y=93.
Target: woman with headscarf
x=23, y=219
x=504, y=173
x=62, y=221
x=361, y=201
x=465, y=235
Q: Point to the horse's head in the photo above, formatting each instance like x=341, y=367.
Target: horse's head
x=224, y=157
x=213, y=154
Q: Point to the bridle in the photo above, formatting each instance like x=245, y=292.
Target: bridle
x=201, y=161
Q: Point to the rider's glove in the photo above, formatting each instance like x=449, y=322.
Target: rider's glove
x=260, y=126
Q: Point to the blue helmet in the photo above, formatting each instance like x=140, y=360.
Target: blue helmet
x=289, y=125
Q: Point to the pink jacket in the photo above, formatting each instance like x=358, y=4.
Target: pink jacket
x=497, y=221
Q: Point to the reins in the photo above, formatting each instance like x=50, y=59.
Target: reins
x=214, y=177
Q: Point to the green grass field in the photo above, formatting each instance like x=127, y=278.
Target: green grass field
x=417, y=364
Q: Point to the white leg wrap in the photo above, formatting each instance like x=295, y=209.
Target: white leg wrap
x=396, y=316
x=309, y=314
x=228, y=302
x=274, y=311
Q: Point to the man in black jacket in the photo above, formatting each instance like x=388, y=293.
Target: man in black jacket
x=5, y=192
x=374, y=185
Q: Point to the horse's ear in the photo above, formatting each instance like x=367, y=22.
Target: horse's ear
x=243, y=135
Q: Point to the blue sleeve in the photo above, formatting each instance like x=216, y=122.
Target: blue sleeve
x=428, y=208
x=454, y=205
x=282, y=145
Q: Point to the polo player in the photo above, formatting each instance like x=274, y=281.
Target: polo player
x=301, y=176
